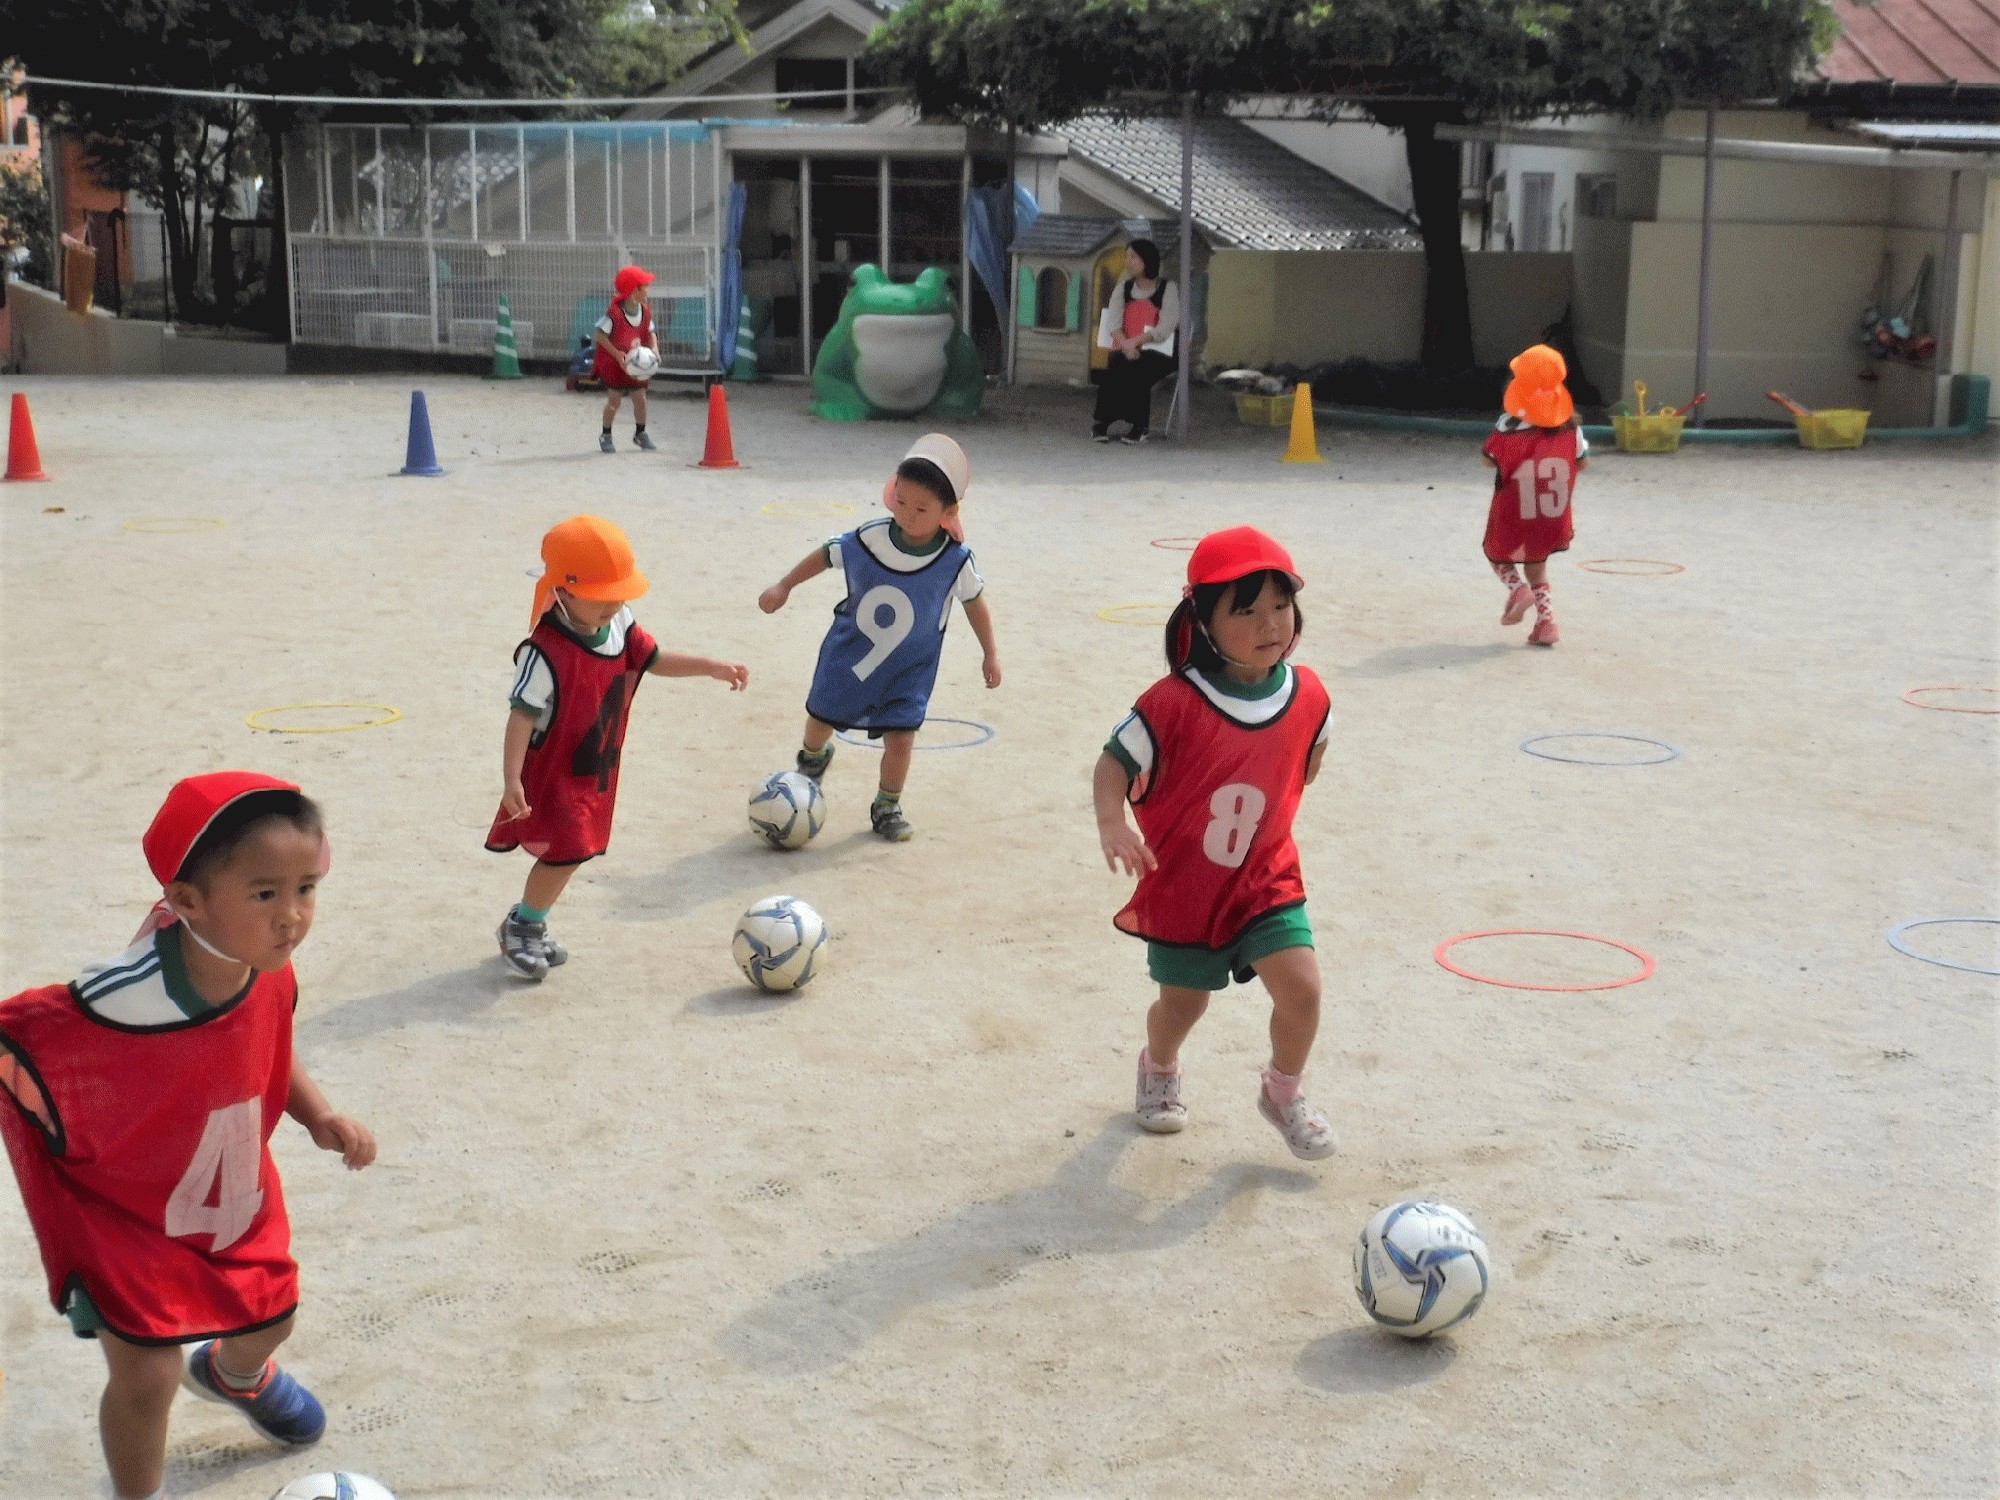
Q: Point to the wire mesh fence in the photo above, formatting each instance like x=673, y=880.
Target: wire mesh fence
x=406, y=238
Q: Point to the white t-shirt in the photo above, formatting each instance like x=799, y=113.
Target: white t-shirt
x=534, y=689
x=882, y=547
x=1132, y=736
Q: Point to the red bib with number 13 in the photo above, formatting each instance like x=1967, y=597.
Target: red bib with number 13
x=1530, y=516
x=1216, y=808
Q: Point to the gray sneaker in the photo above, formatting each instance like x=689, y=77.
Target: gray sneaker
x=604, y=443
x=1304, y=1128
x=812, y=767
x=1158, y=1102
x=523, y=946
x=644, y=440
x=888, y=821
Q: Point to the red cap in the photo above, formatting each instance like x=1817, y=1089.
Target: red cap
x=629, y=279
x=191, y=807
x=1224, y=556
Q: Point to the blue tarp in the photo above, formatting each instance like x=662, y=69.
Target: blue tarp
x=985, y=208
x=729, y=308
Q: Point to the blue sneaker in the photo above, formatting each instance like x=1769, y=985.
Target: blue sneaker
x=284, y=1411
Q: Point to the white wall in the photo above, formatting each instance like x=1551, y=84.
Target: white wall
x=1357, y=151
x=1513, y=162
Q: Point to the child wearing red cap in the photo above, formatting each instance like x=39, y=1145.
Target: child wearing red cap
x=1213, y=759
x=627, y=324
x=143, y=1098
x=574, y=677
x=1538, y=450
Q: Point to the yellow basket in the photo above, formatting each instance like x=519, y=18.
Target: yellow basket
x=1264, y=411
x=1832, y=429
x=1659, y=432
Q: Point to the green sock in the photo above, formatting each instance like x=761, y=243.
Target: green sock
x=815, y=755
x=526, y=913
x=886, y=798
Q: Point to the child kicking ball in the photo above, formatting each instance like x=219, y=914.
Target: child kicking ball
x=143, y=1098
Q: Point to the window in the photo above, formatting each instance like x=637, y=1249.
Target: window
x=801, y=75
x=21, y=131
x=1596, y=195
x=1052, y=298
x=1538, y=194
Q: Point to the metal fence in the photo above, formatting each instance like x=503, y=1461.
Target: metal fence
x=407, y=238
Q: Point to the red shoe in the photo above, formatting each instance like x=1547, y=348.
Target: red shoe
x=1518, y=604
x=1545, y=632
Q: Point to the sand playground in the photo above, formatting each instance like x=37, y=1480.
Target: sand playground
x=639, y=1231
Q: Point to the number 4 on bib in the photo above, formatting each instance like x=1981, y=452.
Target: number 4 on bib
x=226, y=1167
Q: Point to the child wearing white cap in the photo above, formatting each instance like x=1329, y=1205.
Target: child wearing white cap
x=880, y=658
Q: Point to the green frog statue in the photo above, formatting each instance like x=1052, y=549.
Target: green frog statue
x=897, y=351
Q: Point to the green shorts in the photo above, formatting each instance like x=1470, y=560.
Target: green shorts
x=85, y=1321
x=1190, y=968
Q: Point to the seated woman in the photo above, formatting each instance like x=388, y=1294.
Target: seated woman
x=1139, y=327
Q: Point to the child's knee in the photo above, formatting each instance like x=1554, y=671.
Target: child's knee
x=143, y=1377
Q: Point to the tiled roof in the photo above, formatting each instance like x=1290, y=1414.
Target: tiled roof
x=1249, y=192
x=1069, y=235
x=1921, y=43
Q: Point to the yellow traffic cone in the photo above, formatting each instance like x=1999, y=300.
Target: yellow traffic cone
x=1304, y=447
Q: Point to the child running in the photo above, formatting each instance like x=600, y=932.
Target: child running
x=1538, y=450
x=627, y=323
x=879, y=660
x=1213, y=759
x=144, y=1095
x=574, y=677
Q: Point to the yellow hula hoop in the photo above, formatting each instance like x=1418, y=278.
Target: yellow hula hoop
x=174, y=525
x=807, y=508
x=263, y=713
x=1115, y=614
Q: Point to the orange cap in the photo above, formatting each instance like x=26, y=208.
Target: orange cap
x=590, y=558
x=1537, y=394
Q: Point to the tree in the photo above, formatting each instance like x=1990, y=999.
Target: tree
x=190, y=156
x=1411, y=64
x=24, y=222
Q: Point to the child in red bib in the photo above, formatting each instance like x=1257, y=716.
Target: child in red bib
x=1213, y=759
x=574, y=677
x=142, y=1100
x=627, y=324
x=1538, y=450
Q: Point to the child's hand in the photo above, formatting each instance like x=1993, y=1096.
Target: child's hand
x=733, y=673
x=773, y=598
x=1122, y=845
x=353, y=1140
x=514, y=801
x=990, y=669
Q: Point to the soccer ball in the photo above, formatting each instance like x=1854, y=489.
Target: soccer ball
x=333, y=1487
x=787, y=810
x=780, y=943
x=1419, y=1268
x=641, y=362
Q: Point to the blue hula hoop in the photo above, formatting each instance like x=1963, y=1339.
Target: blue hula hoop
x=982, y=733
x=1896, y=934
x=1528, y=745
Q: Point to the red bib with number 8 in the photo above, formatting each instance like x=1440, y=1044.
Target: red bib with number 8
x=1530, y=516
x=1216, y=810
x=142, y=1156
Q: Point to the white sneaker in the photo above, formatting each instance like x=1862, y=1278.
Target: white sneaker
x=1158, y=1104
x=1304, y=1128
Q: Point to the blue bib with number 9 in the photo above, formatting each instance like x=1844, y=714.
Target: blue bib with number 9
x=880, y=659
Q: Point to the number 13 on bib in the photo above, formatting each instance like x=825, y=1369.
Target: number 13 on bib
x=1220, y=783
x=1530, y=514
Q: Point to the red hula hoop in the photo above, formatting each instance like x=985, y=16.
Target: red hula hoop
x=1507, y=984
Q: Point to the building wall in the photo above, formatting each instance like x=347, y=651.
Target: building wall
x=1306, y=307
x=1601, y=267
x=1358, y=151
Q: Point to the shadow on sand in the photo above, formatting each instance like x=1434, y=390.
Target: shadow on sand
x=1427, y=655
x=822, y=1318
x=1369, y=1361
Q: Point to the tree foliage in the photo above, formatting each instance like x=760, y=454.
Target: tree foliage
x=1410, y=64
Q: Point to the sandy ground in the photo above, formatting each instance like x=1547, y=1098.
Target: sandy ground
x=640, y=1231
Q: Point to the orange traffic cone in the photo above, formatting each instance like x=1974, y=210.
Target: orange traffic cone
x=1304, y=446
x=24, y=459
x=718, y=452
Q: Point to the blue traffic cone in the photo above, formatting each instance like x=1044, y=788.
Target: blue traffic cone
x=421, y=456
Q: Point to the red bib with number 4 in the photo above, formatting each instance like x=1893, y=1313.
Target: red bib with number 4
x=1216, y=809
x=1530, y=516
x=139, y=1136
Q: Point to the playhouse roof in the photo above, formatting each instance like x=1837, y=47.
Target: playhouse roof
x=1249, y=191
x=1915, y=43
x=1072, y=236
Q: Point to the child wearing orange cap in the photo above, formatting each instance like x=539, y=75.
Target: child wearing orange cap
x=142, y=1098
x=1538, y=450
x=574, y=677
x=1212, y=760
x=627, y=324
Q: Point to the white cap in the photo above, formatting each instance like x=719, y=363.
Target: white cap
x=950, y=459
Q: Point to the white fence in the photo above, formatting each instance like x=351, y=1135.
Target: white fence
x=407, y=238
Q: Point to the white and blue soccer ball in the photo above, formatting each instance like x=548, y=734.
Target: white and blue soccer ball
x=787, y=810
x=1420, y=1268
x=334, y=1487
x=642, y=363
x=780, y=943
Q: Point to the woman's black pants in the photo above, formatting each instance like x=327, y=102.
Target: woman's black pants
x=1125, y=389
